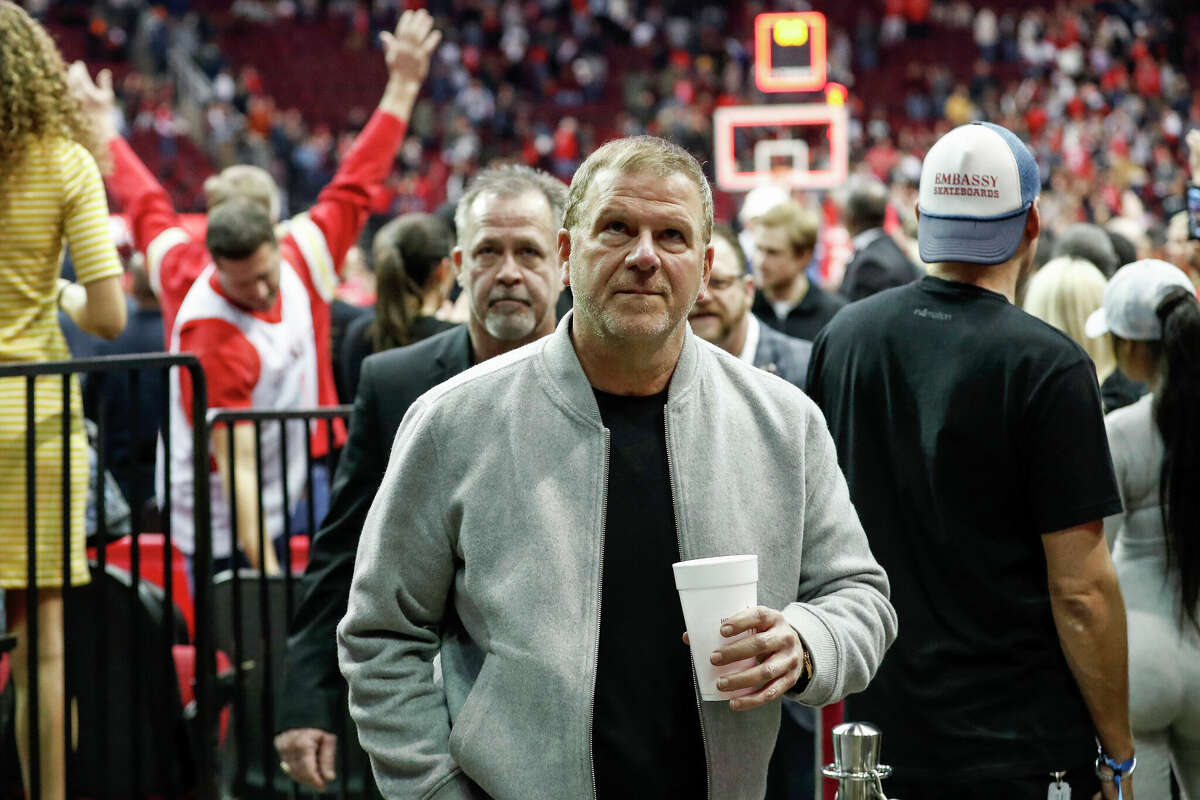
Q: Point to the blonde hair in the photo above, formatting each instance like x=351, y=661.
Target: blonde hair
x=638, y=154
x=243, y=180
x=1064, y=293
x=34, y=101
x=797, y=222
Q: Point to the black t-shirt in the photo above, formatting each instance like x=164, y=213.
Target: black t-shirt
x=646, y=729
x=809, y=316
x=967, y=429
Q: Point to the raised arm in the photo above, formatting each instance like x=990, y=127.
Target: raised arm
x=326, y=231
x=152, y=219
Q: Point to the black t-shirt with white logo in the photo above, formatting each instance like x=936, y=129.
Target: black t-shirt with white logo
x=967, y=429
x=646, y=739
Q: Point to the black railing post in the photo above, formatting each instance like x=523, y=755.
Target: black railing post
x=266, y=707
x=68, y=737
x=206, y=655
x=239, y=677
x=31, y=591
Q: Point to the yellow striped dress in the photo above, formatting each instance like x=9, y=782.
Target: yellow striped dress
x=55, y=195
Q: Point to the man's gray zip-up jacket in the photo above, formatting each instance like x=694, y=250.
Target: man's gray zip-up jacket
x=484, y=543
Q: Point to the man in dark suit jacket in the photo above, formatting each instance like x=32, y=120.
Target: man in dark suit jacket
x=507, y=222
x=878, y=262
x=722, y=316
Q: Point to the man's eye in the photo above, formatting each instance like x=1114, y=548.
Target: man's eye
x=617, y=227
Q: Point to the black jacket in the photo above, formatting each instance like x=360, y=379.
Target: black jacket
x=806, y=319
x=389, y=383
x=878, y=266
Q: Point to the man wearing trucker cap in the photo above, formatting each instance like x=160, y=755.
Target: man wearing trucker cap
x=973, y=443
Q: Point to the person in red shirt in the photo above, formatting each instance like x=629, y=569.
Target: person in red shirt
x=241, y=314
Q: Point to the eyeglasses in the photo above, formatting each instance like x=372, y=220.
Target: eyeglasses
x=721, y=284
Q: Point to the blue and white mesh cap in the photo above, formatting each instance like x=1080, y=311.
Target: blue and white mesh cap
x=1131, y=300
x=978, y=183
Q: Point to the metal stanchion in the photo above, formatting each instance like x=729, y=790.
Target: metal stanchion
x=856, y=762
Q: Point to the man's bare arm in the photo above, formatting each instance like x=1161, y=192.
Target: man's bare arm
x=246, y=487
x=1089, y=614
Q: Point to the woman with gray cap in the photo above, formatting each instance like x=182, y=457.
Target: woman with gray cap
x=1151, y=313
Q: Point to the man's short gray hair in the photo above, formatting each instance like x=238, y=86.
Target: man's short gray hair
x=638, y=154
x=510, y=180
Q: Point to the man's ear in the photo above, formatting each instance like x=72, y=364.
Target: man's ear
x=748, y=286
x=709, y=254
x=456, y=264
x=564, y=255
x=1033, y=222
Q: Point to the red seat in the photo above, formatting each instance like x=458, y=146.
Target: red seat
x=151, y=568
x=185, y=670
x=299, y=546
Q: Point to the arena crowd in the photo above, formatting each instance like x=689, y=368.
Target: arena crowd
x=952, y=406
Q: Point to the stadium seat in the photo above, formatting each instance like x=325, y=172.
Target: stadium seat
x=184, y=656
x=150, y=567
x=122, y=679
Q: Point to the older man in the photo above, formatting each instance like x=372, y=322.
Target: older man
x=722, y=316
x=533, y=507
x=507, y=266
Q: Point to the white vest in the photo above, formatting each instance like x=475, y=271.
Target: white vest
x=287, y=379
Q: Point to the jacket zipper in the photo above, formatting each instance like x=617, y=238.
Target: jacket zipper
x=599, y=597
x=679, y=544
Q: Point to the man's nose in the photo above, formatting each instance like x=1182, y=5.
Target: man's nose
x=643, y=256
x=510, y=271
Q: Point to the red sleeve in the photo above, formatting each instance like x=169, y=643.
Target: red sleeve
x=231, y=364
x=344, y=204
x=174, y=259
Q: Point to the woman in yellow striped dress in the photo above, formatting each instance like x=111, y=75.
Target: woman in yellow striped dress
x=50, y=191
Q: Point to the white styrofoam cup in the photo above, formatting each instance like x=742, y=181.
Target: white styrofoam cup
x=711, y=589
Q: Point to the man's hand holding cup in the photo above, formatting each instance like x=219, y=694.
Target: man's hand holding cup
x=772, y=643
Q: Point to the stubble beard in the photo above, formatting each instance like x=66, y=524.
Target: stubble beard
x=611, y=324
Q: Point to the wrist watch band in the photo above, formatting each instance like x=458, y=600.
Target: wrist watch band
x=806, y=668
x=1120, y=769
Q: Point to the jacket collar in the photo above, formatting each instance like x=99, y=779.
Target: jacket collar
x=566, y=373
x=454, y=351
